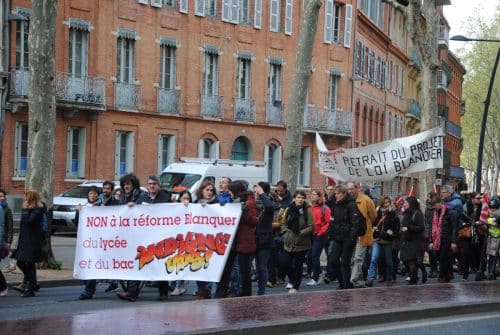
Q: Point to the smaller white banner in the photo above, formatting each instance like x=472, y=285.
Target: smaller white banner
x=155, y=242
x=384, y=160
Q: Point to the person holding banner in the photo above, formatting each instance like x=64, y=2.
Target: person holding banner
x=298, y=228
x=131, y=195
x=180, y=285
x=157, y=196
x=205, y=195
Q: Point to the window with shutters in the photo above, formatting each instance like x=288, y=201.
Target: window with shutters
x=75, y=159
x=78, y=52
x=210, y=78
x=274, y=83
x=166, y=151
x=272, y=156
x=22, y=31
x=124, y=153
x=244, y=11
x=275, y=15
x=332, y=91
x=288, y=17
x=126, y=60
x=304, y=175
x=241, y=149
x=21, y=149
x=257, y=17
x=167, y=58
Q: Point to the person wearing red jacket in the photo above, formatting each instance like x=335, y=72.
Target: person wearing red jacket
x=321, y=217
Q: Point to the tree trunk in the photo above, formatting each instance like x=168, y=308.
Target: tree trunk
x=423, y=27
x=42, y=106
x=297, y=100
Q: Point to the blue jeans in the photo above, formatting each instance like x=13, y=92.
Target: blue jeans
x=318, y=243
x=261, y=262
x=386, y=250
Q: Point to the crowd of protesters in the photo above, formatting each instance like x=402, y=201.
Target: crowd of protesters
x=282, y=236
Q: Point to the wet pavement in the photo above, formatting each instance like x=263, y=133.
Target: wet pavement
x=274, y=314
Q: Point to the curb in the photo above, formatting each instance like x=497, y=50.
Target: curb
x=343, y=322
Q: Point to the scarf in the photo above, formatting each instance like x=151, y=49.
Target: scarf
x=293, y=217
x=437, y=220
x=4, y=204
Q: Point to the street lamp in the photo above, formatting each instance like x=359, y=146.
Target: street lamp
x=479, y=166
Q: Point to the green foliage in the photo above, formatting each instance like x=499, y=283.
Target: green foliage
x=478, y=58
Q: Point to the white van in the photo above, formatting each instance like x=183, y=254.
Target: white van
x=191, y=172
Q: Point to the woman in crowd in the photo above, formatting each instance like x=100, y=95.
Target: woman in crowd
x=321, y=215
x=298, y=228
x=180, y=285
x=344, y=233
x=29, y=248
x=6, y=233
x=470, y=253
x=205, y=195
x=412, y=237
x=385, y=230
x=444, y=237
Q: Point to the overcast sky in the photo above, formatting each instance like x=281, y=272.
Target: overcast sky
x=457, y=13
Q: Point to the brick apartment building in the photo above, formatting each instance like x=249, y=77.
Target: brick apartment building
x=141, y=83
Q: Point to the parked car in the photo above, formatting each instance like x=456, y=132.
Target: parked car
x=63, y=217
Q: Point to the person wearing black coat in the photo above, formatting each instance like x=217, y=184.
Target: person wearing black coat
x=444, y=237
x=412, y=236
x=263, y=233
x=343, y=231
x=385, y=230
x=29, y=247
x=157, y=196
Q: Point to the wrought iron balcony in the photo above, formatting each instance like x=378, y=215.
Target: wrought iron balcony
x=414, y=109
x=128, y=96
x=330, y=121
x=453, y=129
x=19, y=82
x=212, y=106
x=274, y=112
x=244, y=110
x=80, y=89
x=168, y=101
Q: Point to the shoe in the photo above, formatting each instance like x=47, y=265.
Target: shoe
x=280, y=282
x=201, y=295
x=424, y=278
x=289, y=286
x=111, y=288
x=381, y=280
x=128, y=296
x=4, y=292
x=176, y=291
x=292, y=290
x=408, y=279
x=312, y=282
x=432, y=274
x=84, y=296
x=369, y=283
x=269, y=284
x=327, y=280
x=19, y=288
x=163, y=297
x=28, y=294
x=390, y=282
x=321, y=280
x=37, y=288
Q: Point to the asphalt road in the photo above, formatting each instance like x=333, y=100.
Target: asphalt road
x=477, y=324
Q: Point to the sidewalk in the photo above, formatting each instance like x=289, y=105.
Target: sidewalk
x=275, y=314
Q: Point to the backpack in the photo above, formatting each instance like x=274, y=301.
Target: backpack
x=361, y=223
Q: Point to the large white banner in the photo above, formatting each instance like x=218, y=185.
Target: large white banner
x=155, y=242
x=385, y=160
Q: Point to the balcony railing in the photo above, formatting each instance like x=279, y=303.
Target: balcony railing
x=414, y=109
x=19, y=82
x=212, y=106
x=128, y=96
x=74, y=89
x=326, y=120
x=168, y=101
x=453, y=129
x=244, y=110
x=274, y=112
